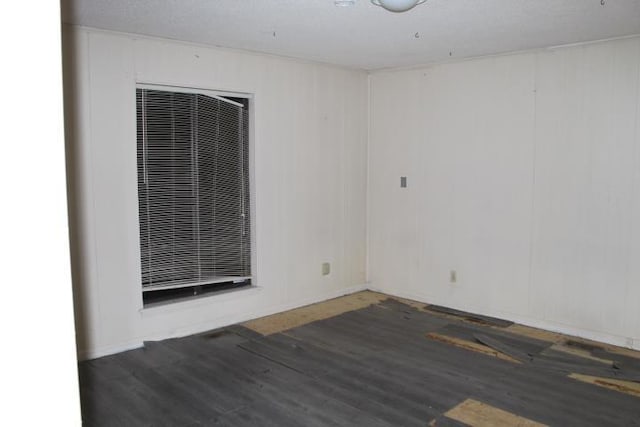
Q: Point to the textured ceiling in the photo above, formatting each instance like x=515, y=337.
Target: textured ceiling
x=365, y=36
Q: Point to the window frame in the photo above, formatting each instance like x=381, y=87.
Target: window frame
x=223, y=96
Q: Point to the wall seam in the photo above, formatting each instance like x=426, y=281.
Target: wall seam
x=634, y=180
x=367, y=277
x=534, y=142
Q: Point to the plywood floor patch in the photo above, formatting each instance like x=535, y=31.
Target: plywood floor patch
x=420, y=306
x=561, y=339
x=575, y=351
x=478, y=414
x=470, y=345
x=537, y=334
x=301, y=316
x=628, y=387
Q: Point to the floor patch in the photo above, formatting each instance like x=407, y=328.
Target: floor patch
x=301, y=316
x=554, y=337
x=470, y=345
x=567, y=348
x=478, y=414
x=464, y=316
x=628, y=387
x=537, y=334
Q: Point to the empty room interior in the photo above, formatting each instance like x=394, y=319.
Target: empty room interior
x=354, y=212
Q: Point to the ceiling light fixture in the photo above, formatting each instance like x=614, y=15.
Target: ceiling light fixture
x=397, y=5
x=344, y=3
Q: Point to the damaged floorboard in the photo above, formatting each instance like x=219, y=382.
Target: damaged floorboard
x=364, y=360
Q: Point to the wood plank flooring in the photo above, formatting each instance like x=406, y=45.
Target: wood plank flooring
x=371, y=366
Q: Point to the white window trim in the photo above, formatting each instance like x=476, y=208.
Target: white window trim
x=181, y=89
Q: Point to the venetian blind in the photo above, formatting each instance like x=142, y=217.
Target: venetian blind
x=193, y=189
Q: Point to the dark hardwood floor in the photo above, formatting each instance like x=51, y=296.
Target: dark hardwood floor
x=384, y=365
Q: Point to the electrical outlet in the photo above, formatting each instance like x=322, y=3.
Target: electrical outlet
x=326, y=268
x=453, y=276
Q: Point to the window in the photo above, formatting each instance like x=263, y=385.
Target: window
x=193, y=192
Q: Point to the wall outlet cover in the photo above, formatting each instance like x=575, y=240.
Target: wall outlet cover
x=453, y=276
x=326, y=268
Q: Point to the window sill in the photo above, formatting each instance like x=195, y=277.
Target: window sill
x=165, y=307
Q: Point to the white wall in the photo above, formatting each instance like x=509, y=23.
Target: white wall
x=524, y=177
x=310, y=182
x=37, y=364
